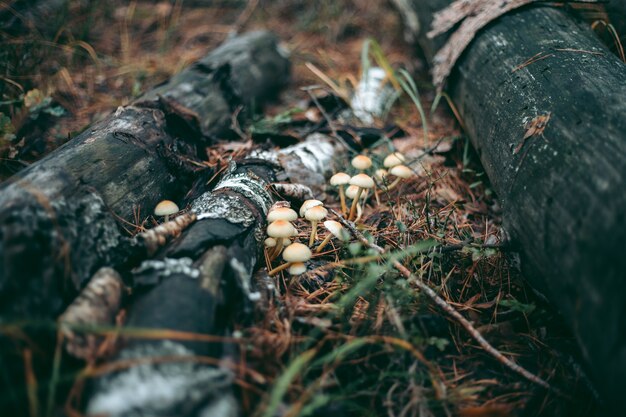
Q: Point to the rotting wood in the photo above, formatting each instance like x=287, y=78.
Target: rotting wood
x=562, y=194
x=204, y=274
x=59, y=217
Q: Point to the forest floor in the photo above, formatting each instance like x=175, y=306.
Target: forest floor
x=385, y=348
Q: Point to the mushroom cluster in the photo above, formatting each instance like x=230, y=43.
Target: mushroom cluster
x=280, y=229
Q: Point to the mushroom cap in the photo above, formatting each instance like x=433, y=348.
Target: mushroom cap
x=297, y=252
x=280, y=204
x=297, y=268
x=401, y=171
x=280, y=228
x=286, y=241
x=394, y=159
x=166, y=208
x=308, y=204
x=340, y=178
x=361, y=162
x=351, y=191
x=282, y=213
x=336, y=229
x=362, y=181
x=380, y=174
x=316, y=213
x=270, y=242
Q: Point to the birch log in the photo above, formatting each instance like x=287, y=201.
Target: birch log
x=202, y=279
x=551, y=134
x=59, y=217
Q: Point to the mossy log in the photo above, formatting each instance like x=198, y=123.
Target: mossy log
x=561, y=188
x=59, y=217
x=197, y=283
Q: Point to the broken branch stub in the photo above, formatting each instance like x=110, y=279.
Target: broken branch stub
x=59, y=217
x=202, y=275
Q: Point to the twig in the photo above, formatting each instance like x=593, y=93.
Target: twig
x=444, y=305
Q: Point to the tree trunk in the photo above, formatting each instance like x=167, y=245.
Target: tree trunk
x=58, y=217
x=562, y=192
x=204, y=274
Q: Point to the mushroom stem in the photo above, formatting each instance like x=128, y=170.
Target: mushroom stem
x=354, y=203
x=167, y=218
x=394, y=184
x=277, y=249
x=376, y=195
x=359, y=213
x=342, y=197
x=324, y=243
x=279, y=268
x=313, y=232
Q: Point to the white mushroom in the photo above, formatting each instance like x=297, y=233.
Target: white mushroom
x=165, y=209
x=335, y=229
x=296, y=252
x=279, y=230
x=308, y=204
x=314, y=215
x=282, y=213
x=364, y=182
x=297, y=268
x=401, y=172
x=339, y=180
x=394, y=159
x=361, y=162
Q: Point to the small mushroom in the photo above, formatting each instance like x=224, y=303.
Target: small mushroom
x=297, y=268
x=165, y=209
x=279, y=230
x=339, y=180
x=401, y=172
x=270, y=242
x=335, y=229
x=308, y=204
x=394, y=159
x=380, y=175
x=314, y=215
x=282, y=213
x=296, y=252
x=361, y=162
x=364, y=182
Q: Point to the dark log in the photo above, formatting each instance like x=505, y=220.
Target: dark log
x=203, y=275
x=58, y=217
x=616, y=10
x=562, y=193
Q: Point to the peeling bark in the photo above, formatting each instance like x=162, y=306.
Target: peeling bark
x=219, y=253
x=562, y=193
x=58, y=217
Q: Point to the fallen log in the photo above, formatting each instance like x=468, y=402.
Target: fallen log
x=616, y=10
x=542, y=100
x=204, y=274
x=59, y=217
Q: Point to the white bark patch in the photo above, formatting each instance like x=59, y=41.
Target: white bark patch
x=372, y=96
x=158, y=389
x=216, y=205
x=168, y=266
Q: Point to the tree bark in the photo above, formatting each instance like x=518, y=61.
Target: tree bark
x=58, y=217
x=203, y=275
x=562, y=191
